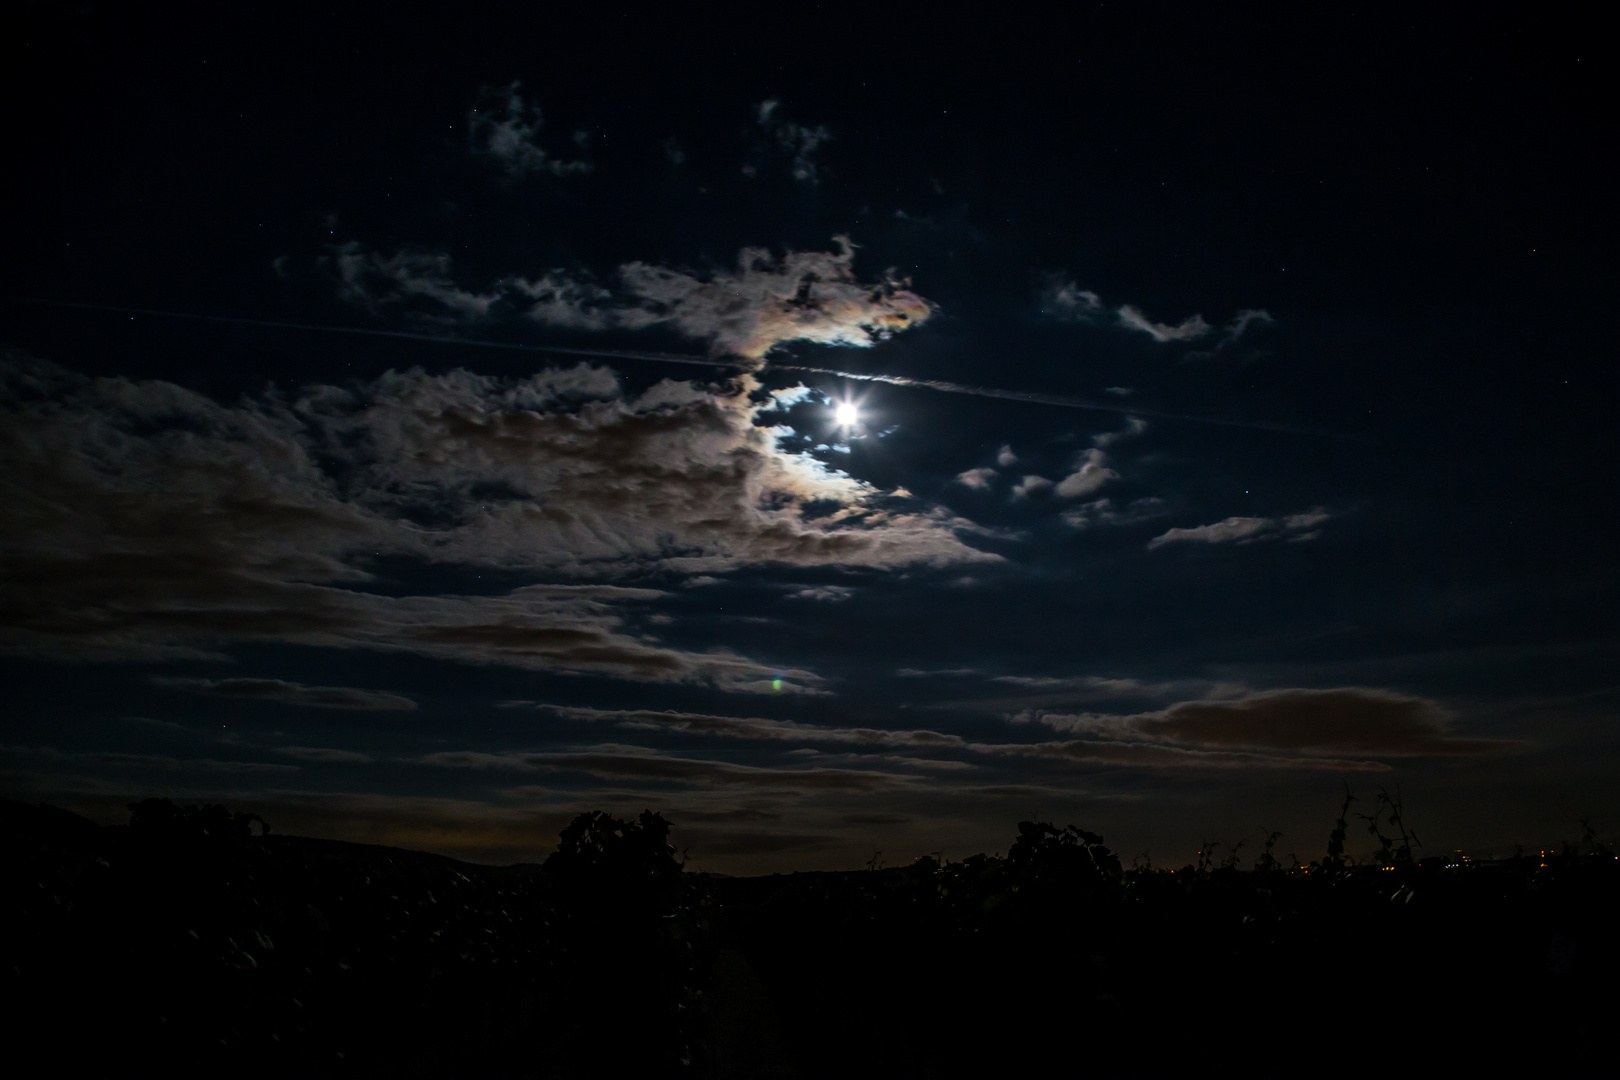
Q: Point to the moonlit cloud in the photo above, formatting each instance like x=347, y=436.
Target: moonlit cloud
x=1189, y=329
x=1063, y=299
x=767, y=301
x=1134, y=426
x=1243, y=530
x=1090, y=473
x=826, y=593
x=745, y=312
x=142, y=520
x=978, y=479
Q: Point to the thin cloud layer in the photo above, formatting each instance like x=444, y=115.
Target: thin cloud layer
x=615, y=762
x=291, y=693
x=757, y=727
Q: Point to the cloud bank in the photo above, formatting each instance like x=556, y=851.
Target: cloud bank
x=143, y=520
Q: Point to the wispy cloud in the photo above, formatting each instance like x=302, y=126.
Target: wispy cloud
x=507, y=128
x=1245, y=530
x=826, y=593
x=1063, y=299
x=1134, y=426
x=1189, y=329
x=798, y=143
x=292, y=693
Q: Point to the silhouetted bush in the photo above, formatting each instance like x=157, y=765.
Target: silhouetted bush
x=191, y=940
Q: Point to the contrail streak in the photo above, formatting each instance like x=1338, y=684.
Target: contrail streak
x=1067, y=402
x=1060, y=400
x=472, y=343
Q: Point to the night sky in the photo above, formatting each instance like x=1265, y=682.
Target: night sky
x=1234, y=399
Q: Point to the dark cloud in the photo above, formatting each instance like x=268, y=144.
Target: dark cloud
x=1150, y=755
x=1332, y=728
x=292, y=693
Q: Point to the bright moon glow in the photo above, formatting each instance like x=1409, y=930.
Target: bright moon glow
x=847, y=415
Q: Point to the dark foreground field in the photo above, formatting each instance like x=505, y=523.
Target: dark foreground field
x=188, y=941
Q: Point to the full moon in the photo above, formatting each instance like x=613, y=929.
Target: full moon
x=846, y=414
